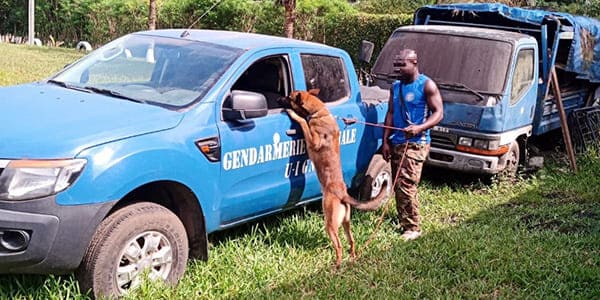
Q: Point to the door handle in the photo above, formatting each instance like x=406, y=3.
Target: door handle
x=349, y=120
x=291, y=132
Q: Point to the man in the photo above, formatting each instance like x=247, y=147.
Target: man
x=415, y=105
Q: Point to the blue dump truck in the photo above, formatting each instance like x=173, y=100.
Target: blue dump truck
x=124, y=162
x=493, y=66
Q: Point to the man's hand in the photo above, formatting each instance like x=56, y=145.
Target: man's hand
x=385, y=151
x=412, y=130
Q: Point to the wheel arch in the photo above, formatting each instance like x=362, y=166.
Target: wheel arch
x=180, y=200
x=522, y=142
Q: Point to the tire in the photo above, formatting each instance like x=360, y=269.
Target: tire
x=378, y=179
x=157, y=244
x=512, y=162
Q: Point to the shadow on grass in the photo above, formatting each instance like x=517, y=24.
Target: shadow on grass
x=271, y=224
x=544, y=242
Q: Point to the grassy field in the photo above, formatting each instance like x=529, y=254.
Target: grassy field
x=20, y=64
x=537, y=238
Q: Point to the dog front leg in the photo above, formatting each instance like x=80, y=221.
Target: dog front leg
x=312, y=139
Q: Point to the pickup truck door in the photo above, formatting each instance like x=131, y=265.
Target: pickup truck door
x=339, y=90
x=257, y=154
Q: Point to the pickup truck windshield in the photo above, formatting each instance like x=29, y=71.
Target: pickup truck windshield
x=149, y=69
x=467, y=65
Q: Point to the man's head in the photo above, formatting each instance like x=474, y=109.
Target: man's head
x=405, y=65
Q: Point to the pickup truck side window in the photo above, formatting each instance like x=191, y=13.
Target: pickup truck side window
x=269, y=76
x=523, y=75
x=328, y=74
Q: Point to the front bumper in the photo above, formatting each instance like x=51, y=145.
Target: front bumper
x=57, y=235
x=465, y=162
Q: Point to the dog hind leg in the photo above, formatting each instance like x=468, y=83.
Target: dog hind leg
x=348, y=231
x=334, y=213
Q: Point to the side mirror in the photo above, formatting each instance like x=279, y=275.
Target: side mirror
x=366, y=51
x=243, y=105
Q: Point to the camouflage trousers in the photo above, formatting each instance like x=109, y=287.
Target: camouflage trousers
x=407, y=199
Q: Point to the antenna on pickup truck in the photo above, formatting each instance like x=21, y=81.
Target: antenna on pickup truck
x=185, y=32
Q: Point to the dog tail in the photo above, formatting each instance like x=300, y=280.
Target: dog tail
x=372, y=204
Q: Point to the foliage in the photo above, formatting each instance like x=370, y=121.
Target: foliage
x=113, y=18
x=392, y=6
x=358, y=27
x=13, y=16
x=99, y=21
x=313, y=15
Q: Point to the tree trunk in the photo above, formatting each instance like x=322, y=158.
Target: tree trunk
x=152, y=15
x=290, y=17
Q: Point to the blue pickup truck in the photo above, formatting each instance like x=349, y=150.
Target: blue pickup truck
x=128, y=158
x=492, y=64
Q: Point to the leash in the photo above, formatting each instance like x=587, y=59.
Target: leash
x=386, y=207
x=350, y=121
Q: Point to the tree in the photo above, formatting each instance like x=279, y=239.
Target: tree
x=290, y=16
x=152, y=15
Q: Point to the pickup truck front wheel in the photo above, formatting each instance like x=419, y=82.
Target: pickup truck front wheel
x=142, y=239
x=378, y=179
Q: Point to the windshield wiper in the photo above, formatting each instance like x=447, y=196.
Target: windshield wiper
x=387, y=77
x=68, y=86
x=460, y=86
x=112, y=93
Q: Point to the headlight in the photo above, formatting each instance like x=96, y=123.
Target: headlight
x=26, y=179
x=494, y=145
x=465, y=141
x=481, y=144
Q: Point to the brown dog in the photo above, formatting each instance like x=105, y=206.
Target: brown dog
x=322, y=134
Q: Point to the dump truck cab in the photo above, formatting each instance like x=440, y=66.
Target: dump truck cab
x=493, y=66
x=487, y=79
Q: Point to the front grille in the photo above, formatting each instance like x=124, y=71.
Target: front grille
x=441, y=140
x=441, y=157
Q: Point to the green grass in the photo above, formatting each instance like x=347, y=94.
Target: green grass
x=20, y=64
x=538, y=238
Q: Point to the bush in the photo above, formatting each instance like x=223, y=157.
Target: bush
x=358, y=27
x=334, y=22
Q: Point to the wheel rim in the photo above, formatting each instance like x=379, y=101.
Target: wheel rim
x=149, y=252
x=512, y=162
x=381, y=182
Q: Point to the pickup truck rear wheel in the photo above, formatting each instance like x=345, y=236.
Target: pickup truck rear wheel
x=142, y=239
x=378, y=179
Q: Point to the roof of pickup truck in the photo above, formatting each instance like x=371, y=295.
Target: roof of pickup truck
x=242, y=40
x=485, y=33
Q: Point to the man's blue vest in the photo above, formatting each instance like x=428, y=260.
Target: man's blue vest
x=410, y=107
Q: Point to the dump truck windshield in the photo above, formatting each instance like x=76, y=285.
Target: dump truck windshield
x=467, y=65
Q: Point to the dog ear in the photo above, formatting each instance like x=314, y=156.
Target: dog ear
x=314, y=92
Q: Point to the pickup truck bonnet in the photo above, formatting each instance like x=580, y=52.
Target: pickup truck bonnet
x=47, y=121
